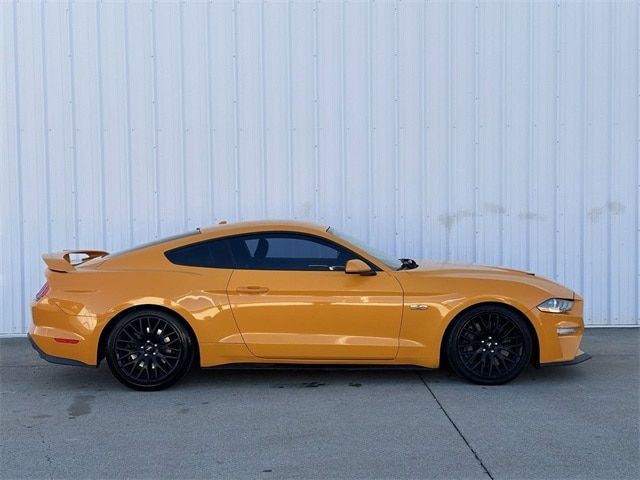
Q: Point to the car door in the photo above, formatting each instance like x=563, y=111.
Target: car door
x=292, y=299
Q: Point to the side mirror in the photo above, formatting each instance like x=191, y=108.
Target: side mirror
x=358, y=267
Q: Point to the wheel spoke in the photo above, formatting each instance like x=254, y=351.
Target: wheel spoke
x=497, y=359
x=140, y=372
x=134, y=360
x=134, y=335
x=155, y=325
x=170, y=357
x=128, y=355
x=507, y=359
x=515, y=349
x=133, y=366
x=490, y=324
x=159, y=366
x=123, y=349
x=501, y=361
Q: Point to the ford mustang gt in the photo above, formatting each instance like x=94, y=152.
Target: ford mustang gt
x=293, y=292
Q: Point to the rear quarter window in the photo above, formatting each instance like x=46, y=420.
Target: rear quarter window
x=210, y=254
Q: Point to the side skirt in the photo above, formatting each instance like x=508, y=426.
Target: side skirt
x=315, y=366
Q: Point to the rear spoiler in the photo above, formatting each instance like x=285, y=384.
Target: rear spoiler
x=61, y=261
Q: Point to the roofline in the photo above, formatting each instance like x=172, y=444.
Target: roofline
x=251, y=225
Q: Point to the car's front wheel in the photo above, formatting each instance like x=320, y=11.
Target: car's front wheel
x=489, y=345
x=149, y=350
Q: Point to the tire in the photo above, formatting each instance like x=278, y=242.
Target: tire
x=149, y=350
x=489, y=345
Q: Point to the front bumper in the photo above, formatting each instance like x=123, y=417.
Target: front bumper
x=560, y=336
x=581, y=357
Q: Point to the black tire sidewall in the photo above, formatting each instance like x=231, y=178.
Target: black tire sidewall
x=458, y=366
x=184, y=364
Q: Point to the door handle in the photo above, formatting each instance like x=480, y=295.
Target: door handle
x=254, y=289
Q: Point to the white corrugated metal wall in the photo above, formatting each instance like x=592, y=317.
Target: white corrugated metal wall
x=491, y=132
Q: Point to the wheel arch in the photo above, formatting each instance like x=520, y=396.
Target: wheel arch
x=535, y=354
x=104, y=335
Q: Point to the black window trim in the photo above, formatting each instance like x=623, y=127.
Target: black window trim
x=233, y=262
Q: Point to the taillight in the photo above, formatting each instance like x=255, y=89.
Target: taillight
x=43, y=291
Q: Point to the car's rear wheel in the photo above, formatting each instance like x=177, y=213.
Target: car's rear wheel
x=149, y=350
x=489, y=345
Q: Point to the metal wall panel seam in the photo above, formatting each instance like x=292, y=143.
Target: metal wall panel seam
x=262, y=100
x=45, y=123
x=74, y=167
x=18, y=125
x=211, y=213
x=316, y=115
x=103, y=198
x=532, y=128
x=183, y=129
x=343, y=127
x=449, y=128
x=557, y=145
x=396, y=115
x=127, y=119
x=423, y=132
x=585, y=143
x=369, y=123
x=154, y=103
x=503, y=129
x=612, y=152
x=476, y=128
x=236, y=120
x=290, y=128
x=638, y=170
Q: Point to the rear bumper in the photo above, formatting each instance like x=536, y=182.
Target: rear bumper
x=581, y=357
x=54, y=359
x=62, y=336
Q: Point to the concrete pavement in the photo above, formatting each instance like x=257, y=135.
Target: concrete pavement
x=562, y=422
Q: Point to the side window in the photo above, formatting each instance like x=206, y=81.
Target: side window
x=211, y=254
x=288, y=251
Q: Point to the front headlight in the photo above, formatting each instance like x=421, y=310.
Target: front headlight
x=556, y=305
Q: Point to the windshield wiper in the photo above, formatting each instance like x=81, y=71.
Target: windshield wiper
x=408, y=263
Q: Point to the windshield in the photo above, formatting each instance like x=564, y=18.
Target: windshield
x=374, y=252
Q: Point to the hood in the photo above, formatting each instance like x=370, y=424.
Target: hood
x=444, y=272
x=444, y=267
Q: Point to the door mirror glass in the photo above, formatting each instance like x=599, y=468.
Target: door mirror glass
x=356, y=266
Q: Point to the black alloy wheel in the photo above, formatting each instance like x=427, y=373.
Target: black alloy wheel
x=489, y=345
x=149, y=350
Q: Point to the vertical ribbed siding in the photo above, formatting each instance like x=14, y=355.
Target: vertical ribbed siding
x=504, y=133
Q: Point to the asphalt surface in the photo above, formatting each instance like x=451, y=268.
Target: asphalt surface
x=562, y=422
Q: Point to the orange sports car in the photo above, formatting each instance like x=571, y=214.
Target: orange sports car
x=293, y=292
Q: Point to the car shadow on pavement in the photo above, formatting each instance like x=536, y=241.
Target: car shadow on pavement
x=100, y=379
